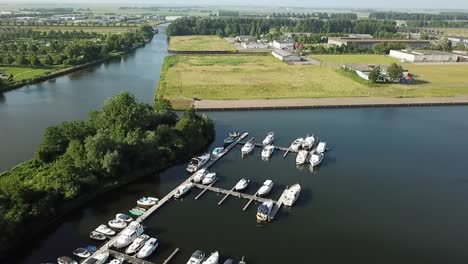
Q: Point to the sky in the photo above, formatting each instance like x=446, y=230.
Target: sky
x=394, y=4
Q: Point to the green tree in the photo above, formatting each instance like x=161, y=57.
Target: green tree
x=21, y=59
x=8, y=59
x=395, y=71
x=374, y=74
x=33, y=60
x=47, y=60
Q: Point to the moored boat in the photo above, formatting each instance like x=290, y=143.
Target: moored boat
x=199, y=175
x=149, y=247
x=117, y=224
x=268, y=151
x=231, y=138
x=248, y=147
x=209, y=178
x=242, y=184
x=137, y=244
x=263, y=211
x=316, y=159
x=301, y=157
x=183, y=189
x=212, y=259
x=291, y=194
x=198, y=162
x=98, y=259
x=97, y=236
x=197, y=257
x=132, y=232
x=147, y=201
x=66, y=260
x=266, y=188
x=124, y=217
x=117, y=261
x=217, y=152
x=309, y=142
x=105, y=230
x=269, y=138
x=137, y=211
x=321, y=147
x=81, y=252
x=297, y=144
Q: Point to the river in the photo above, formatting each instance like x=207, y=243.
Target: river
x=392, y=189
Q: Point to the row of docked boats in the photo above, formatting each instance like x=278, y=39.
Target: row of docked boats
x=199, y=257
x=288, y=198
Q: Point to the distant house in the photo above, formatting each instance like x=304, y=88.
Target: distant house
x=369, y=43
x=423, y=56
x=283, y=44
x=246, y=38
x=285, y=56
x=363, y=71
x=254, y=45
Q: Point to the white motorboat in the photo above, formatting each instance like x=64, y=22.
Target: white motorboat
x=117, y=224
x=81, y=252
x=217, y=152
x=183, y=189
x=97, y=236
x=269, y=138
x=199, y=175
x=99, y=259
x=301, y=157
x=291, y=194
x=316, y=159
x=266, y=188
x=147, y=201
x=263, y=211
x=66, y=260
x=248, y=147
x=268, y=151
x=242, y=184
x=209, y=178
x=321, y=147
x=198, y=162
x=117, y=261
x=309, y=142
x=197, y=257
x=133, y=230
x=297, y=144
x=212, y=259
x=124, y=217
x=148, y=248
x=137, y=244
x=105, y=230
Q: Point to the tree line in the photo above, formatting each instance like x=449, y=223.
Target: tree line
x=319, y=15
x=76, y=158
x=419, y=16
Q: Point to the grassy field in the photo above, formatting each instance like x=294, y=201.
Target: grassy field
x=199, y=43
x=337, y=60
x=451, y=31
x=97, y=29
x=20, y=74
x=263, y=77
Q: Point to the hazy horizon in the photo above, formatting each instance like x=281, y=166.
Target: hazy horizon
x=396, y=4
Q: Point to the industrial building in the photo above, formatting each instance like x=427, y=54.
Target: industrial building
x=423, y=56
x=456, y=40
x=369, y=43
x=285, y=56
x=254, y=45
x=363, y=71
x=283, y=44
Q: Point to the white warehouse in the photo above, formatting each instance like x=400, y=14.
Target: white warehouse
x=423, y=56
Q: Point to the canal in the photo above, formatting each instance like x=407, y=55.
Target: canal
x=392, y=189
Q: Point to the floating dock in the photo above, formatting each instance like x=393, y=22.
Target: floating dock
x=284, y=149
x=231, y=192
x=128, y=259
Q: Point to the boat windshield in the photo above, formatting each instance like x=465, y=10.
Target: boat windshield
x=198, y=255
x=263, y=209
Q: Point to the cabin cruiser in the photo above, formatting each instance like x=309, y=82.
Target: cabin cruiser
x=137, y=244
x=183, y=189
x=105, y=230
x=99, y=259
x=66, y=260
x=266, y=188
x=117, y=224
x=134, y=230
x=291, y=194
x=297, y=144
x=269, y=138
x=316, y=159
x=198, y=162
x=231, y=138
x=248, y=147
x=321, y=147
x=82, y=253
x=217, y=152
x=148, y=248
x=97, y=236
x=147, y=201
x=199, y=175
x=197, y=257
x=242, y=184
x=268, y=151
x=117, y=261
x=212, y=259
x=229, y=261
x=124, y=217
x=263, y=211
x=301, y=157
x=209, y=178
x=309, y=142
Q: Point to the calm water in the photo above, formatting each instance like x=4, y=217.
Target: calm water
x=393, y=189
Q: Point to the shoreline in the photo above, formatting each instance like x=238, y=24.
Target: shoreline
x=315, y=103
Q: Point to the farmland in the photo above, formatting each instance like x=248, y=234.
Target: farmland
x=200, y=43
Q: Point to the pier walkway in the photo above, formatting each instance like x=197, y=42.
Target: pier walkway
x=232, y=193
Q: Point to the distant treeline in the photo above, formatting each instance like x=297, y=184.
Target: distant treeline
x=437, y=23
x=261, y=26
x=350, y=16
x=48, y=10
x=419, y=16
x=228, y=13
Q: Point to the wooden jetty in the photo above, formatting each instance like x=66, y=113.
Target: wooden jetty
x=231, y=192
x=258, y=145
x=128, y=258
x=168, y=259
x=226, y=196
x=106, y=247
x=250, y=201
x=203, y=191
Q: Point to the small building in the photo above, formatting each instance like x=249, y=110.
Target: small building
x=286, y=56
x=246, y=38
x=456, y=40
x=423, y=56
x=363, y=71
x=363, y=36
x=283, y=44
x=366, y=43
x=254, y=45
